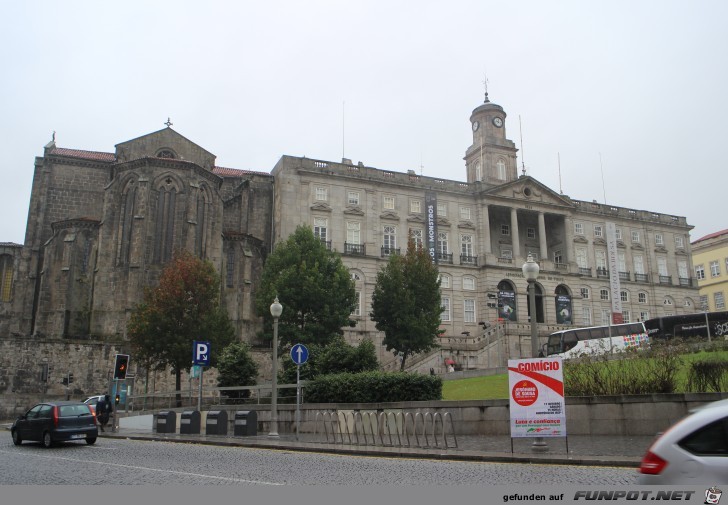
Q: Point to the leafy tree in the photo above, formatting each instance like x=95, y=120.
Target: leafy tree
x=236, y=367
x=184, y=307
x=406, y=303
x=314, y=287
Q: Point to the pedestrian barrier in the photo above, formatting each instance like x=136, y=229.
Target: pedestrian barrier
x=386, y=428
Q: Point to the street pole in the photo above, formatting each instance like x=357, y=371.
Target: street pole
x=276, y=309
x=530, y=272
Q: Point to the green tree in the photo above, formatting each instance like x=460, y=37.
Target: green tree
x=335, y=357
x=314, y=287
x=406, y=303
x=236, y=367
x=184, y=307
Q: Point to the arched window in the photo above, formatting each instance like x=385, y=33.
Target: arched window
x=164, y=221
x=166, y=153
x=6, y=277
x=201, y=219
x=126, y=222
x=501, y=169
x=478, y=172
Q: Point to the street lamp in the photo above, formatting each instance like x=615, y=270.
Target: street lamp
x=530, y=272
x=276, y=309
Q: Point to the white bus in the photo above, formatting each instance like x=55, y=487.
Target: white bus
x=596, y=339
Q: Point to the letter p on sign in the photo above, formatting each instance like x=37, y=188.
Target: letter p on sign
x=201, y=353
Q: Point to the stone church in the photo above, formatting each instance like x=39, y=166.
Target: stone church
x=101, y=226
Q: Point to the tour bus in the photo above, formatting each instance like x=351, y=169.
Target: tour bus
x=688, y=326
x=596, y=339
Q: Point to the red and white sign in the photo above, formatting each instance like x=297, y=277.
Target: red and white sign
x=537, y=405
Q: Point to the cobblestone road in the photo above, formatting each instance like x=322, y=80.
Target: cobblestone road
x=130, y=462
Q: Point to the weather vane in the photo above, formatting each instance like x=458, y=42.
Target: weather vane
x=169, y=123
x=485, y=82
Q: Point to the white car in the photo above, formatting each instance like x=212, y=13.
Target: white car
x=91, y=401
x=692, y=451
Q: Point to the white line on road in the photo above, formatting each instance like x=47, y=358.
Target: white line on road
x=260, y=482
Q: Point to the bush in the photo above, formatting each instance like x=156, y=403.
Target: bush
x=708, y=375
x=373, y=387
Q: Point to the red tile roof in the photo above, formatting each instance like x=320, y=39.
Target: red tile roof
x=234, y=172
x=87, y=155
x=712, y=235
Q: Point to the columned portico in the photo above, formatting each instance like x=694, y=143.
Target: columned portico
x=515, y=235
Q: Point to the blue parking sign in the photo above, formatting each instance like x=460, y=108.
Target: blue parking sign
x=201, y=353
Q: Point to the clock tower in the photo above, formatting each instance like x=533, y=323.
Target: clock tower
x=491, y=159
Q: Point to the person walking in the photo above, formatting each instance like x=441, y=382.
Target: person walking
x=103, y=411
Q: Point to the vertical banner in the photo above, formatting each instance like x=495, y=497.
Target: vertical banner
x=537, y=406
x=563, y=309
x=507, y=305
x=431, y=211
x=614, y=287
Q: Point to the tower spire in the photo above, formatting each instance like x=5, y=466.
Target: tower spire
x=485, y=83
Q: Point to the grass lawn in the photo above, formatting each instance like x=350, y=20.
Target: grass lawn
x=493, y=387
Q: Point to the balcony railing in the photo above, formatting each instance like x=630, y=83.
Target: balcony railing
x=444, y=258
x=561, y=266
x=686, y=281
x=624, y=276
x=468, y=260
x=355, y=249
x=642, y=277
x=504, y=259
x=388, y=251
x=602, y=273
x=665, y=279
x=585, y=271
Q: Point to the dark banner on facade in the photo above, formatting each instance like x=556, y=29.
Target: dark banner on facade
x=563, y=309
x=431, y=217
x=507, y=305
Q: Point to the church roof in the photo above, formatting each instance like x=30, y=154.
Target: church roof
x=10, y=244
x=87, y=155
x=234, y=172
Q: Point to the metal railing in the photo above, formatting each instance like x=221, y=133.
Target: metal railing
x=388, y=429
x=468, y=260
x=355, y=249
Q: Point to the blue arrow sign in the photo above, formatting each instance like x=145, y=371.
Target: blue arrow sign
x=201, y=353
x=299, y=354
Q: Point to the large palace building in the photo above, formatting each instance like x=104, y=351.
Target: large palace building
x=101, y=226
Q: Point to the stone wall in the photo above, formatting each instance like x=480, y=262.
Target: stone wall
x=23, y=360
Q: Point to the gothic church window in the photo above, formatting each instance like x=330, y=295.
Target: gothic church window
x=201, y=219
x=165, y=221
x=6, y=277
x=126, y=222
x=166, y=153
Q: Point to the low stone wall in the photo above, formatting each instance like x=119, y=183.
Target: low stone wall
x=609, y=415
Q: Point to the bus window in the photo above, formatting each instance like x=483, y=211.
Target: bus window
x=570, y=340
x=582, y=334
x=600, y=332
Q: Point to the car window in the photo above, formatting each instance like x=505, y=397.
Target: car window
x=710, y=440
x=32, y=413
x=45, y=412
x=74, y=410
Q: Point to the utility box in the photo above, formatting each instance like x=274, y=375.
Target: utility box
x=217, y=422
x=246, y=423
x=165, y=422
x=189, y=422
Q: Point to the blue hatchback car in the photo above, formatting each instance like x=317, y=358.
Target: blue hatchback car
x=52, y=422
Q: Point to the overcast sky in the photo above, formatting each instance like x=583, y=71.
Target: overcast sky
x=636, y=90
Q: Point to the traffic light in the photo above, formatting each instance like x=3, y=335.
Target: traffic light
x=121, y=364
x=117, y=399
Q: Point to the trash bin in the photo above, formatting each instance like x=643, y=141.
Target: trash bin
x=189, y=422
x=217, y=422
x=165, y=422
x=246, y=423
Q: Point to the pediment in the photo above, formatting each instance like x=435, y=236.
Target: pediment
x=415, y=218
x=580, y=240
x=528, y=189
x=660, y=249
x=637, y=247
x=389, y=215
x=467, y=224
x=600, y=241
x=321, y=207
x=621, y=245
x=680, y=252
x=164, y=143
x=354, y=211
x=443, y=221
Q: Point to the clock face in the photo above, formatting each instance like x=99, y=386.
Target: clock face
x=498, y=122
x=476, y=125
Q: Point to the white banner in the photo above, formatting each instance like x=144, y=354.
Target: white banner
x=537, y=406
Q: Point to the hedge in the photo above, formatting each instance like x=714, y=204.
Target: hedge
x=373, y=387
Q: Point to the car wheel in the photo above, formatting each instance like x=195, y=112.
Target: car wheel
x=91, y=440
x=47, y=440
x=16, y=437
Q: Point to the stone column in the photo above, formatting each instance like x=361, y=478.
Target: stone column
x=542, y=237
x=485, y=226
x=514, y=234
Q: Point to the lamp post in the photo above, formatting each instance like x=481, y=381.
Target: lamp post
x=530, y=272
x=276, y=309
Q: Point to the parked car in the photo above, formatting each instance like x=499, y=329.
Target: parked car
x=692, y=451
x=91, y=401
x=52, y=422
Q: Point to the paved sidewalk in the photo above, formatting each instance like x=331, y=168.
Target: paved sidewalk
x=582, y=450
